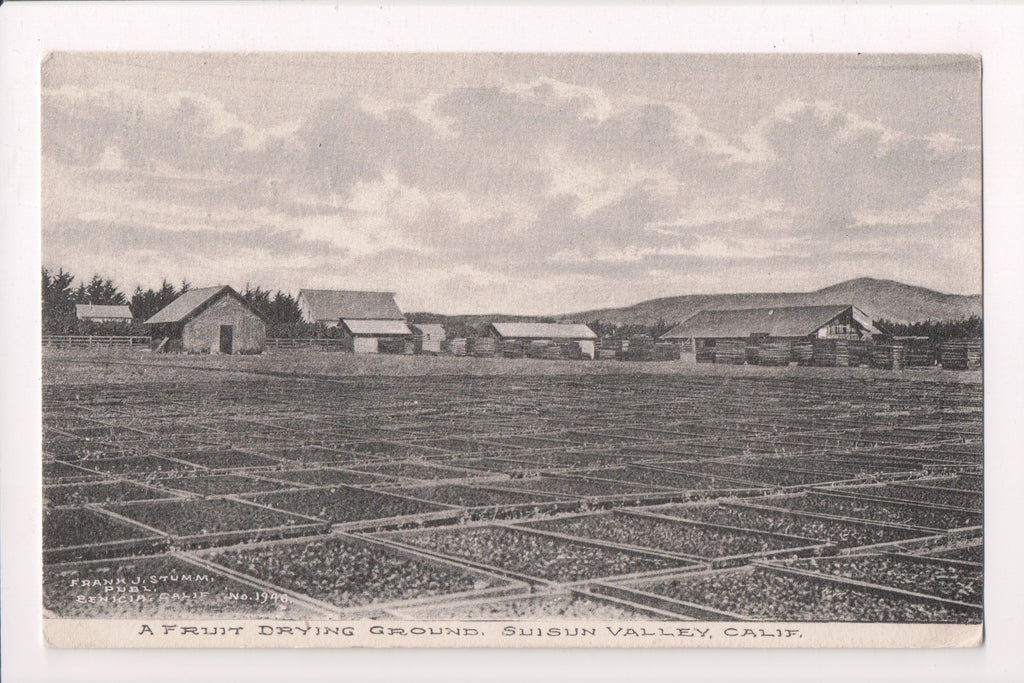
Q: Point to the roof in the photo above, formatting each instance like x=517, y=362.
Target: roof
x=377, y=328
x=335, y=304
x=192, y=302
x=91, y=311
x=543, y=331
x=430, y=329
x=796, y=321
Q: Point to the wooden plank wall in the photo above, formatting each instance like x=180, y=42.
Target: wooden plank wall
x=202, y=334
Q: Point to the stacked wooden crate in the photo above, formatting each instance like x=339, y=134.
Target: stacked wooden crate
x=482, y=347
x=831, y=353
x=705, y=354
x=546, y=350
x=731, y=351
x=961, y=354
x=899, y=356
x=751, y=352
x=920, y=351
x=803, y=352
x=608, y=348
x=775, y=352
x=513, y=348
x=860, y=355
x=457, y=346
x=881, y=356
x=665, y=351
x=638, y=348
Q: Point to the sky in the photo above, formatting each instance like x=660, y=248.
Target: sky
x=515, y=183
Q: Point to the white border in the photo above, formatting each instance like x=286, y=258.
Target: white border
x=28, y=30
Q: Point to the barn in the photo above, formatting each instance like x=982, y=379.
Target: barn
x=549, y=333
x=370, y=322
x=429, y=337
x=330, y=306
x=376, y=336
x=103, y=314
x=728, y=335
x=210, y=320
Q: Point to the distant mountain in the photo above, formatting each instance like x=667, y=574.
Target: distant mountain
x=880, y=299
x=886, y=299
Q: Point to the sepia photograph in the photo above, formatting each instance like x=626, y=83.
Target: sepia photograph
x=511, y=349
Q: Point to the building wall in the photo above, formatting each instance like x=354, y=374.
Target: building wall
x=587, y=346
x=841, y=327
x=307, y=314
x=202, y=333
x=364, y=344
x=303, y=305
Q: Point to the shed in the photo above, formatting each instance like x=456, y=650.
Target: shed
x=547, y=332
x=103, y=314
x=729, y=330
x=370, y=322
x=429, y=336
x=796, y=322
x=212, y=320
x=331, y=306
x=375, y=336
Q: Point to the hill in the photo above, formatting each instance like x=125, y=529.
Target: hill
x=880, y=299
x=886, y=299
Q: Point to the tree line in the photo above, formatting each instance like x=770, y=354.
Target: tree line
x=60, y=295
x=936, y=330
x=281, y=310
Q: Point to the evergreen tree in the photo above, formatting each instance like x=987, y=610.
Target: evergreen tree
x=58, y=302
x=146, y=303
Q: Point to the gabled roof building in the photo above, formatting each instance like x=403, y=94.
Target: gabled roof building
x=331, y=306
x=796, y=322
x=582, y=335
x=370, y=321
x=211, y=320
x=429, y=337
x=103, y=313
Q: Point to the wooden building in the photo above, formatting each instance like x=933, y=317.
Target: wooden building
x=210, y=320
x=330, y=306
x=429, y=337
x=103, y=314
x=370, y=322
x=550, y=333
x=377, y=336
x=738, y=336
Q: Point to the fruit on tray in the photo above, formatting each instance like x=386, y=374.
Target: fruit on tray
x=71, y=527
x=100, y=492
x=880, y=511
x=534, y=554
x=840, y=532
x=349, y=573
x=663, y=534
x=562, y=606
x=944, y=580
x=339, y=504
x=201, y=516
x=762, y=594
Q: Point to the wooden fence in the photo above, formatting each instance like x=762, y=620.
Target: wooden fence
x=73, y=341
x=322, y=344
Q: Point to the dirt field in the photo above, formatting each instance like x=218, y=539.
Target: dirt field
x=120, y=366
x=298, y=485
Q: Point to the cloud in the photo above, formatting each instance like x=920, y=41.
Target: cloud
x=468, y=188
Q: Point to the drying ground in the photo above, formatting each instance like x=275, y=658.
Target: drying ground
x=309, y=484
